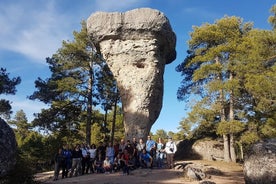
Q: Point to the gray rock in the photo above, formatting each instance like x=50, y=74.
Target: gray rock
x=136, y=45
x=208, y=149
x=206, y=182
x=8, y=148
x=195, y=172
x=260, y=163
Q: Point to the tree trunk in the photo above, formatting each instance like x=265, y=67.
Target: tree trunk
x=106, y=138
x=241, y=150
x=226, y=142
x=114, y=120
x=226, y=148
x=231, y=117
x=232, y=148
x=89, y=106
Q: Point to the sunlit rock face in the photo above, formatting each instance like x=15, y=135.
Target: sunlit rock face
x=8, y=148
x=260, y=163
x=136, y=45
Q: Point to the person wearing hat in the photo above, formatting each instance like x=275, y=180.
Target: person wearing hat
x=170, y=149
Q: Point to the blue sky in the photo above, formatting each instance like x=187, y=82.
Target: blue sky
x=31, y=30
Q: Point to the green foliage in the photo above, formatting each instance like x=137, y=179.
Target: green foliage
x=249, y=138
x=22, y=126
x=268, y=130
x=160, y=133
x=186, y=128
x=23, y=173
x=96, y=133
x=5, y=108
x=119, y=123
x=231, y=127
x=32, y=146
x=201, y=120
x=7, y=86
x=80, y=81
x=204, y=129
x=232, y=67
x=272, y=18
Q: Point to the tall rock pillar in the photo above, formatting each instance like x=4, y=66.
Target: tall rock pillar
x=136, y=46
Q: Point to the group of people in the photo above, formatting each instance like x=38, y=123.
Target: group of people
x=108, y=158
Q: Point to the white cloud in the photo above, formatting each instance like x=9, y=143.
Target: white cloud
x=36, y=29
x=33, y=29
x=28, y=106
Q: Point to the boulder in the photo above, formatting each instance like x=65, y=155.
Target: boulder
x=260, y=163
x=208, y=149
x=136, y=45
x=8, y=147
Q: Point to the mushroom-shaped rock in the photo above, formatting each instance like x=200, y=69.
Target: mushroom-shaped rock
x=136, y=46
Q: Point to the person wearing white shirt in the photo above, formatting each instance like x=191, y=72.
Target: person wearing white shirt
x=93, y=153
x=170, y=150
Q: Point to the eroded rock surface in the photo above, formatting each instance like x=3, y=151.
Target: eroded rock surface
x=208, y=149
x=136, y=45
x=8, y=147
x=260, y=163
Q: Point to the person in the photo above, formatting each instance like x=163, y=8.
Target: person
x=140, y=146
x=116, y=163
x=134, y=142
x=151, y=147
x=67, y=153
x=98, y=163
x=170, y=149
x=116, y=148
x=93, y=151
x=101, y=150
x=85, y=159
x=129, y=147
x=124, y=162
x=59, y=161
x=76, y=161
x=122, y=146
x=145, y=159
x=134, y=145
x=131, y=162
x=160, y=153
x=110, y=152
x=107, y=165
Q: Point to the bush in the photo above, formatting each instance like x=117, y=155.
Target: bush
x=23, y=173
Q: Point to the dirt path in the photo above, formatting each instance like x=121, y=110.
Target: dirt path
x=230, y=174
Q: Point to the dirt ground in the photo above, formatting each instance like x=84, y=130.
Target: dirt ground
x=229, y=173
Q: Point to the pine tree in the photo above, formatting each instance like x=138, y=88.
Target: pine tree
x=212, y=50
x=72, y=88
x=7, y=86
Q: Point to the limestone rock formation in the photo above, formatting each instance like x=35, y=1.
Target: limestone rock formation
x=208, y=149
x=260, y=163
x=136, y=45
x=8, y=147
